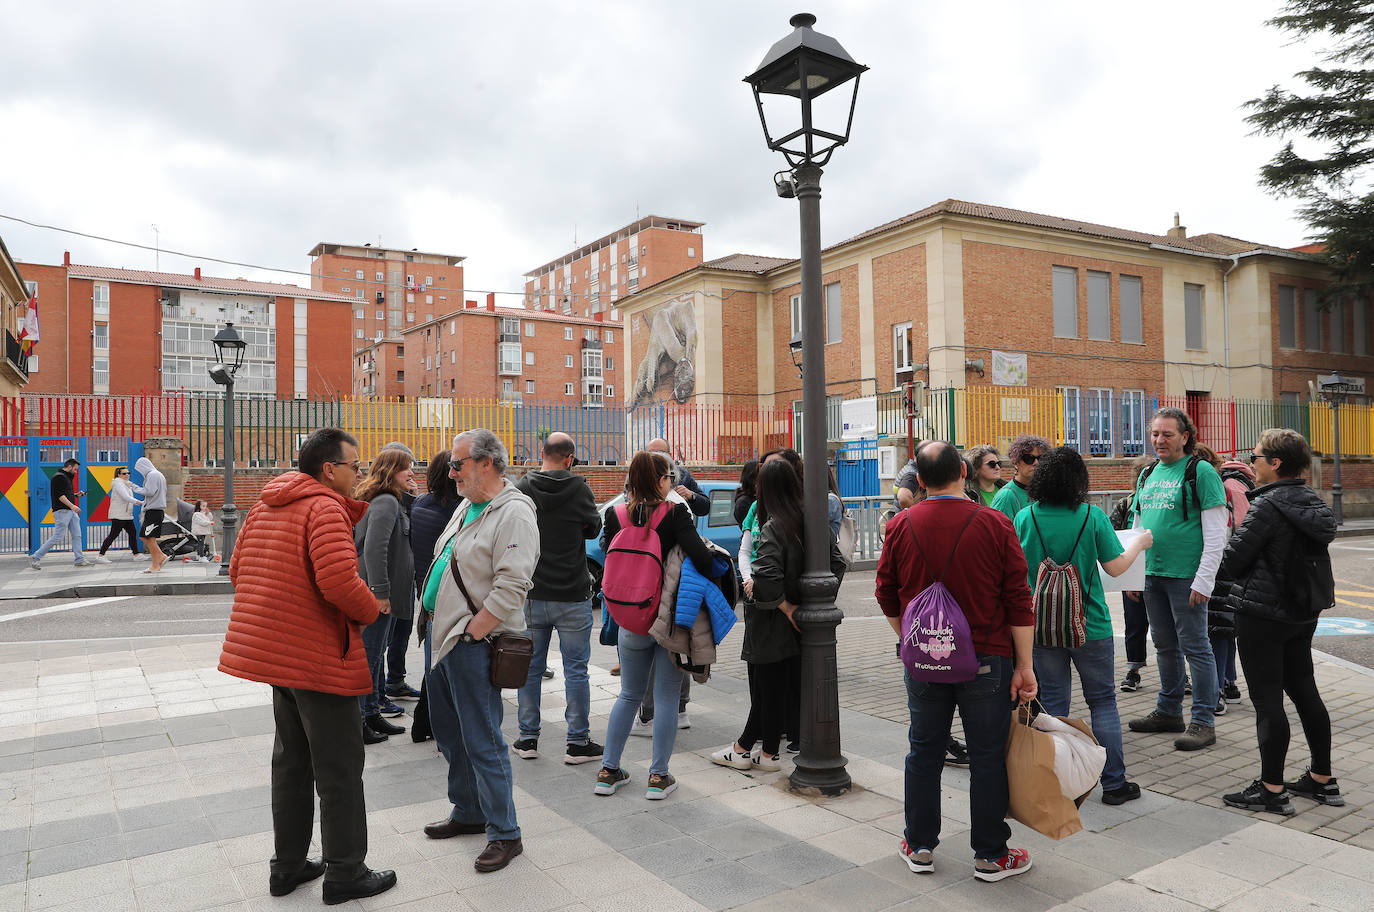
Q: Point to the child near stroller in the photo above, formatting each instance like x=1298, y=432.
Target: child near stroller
x=203, y=528
x=176, y=538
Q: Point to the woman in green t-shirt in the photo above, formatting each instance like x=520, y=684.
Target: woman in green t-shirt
x=1060, y=525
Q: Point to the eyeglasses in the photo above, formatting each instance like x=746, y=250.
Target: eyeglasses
x=355, y=465
x=993, y=463
x=1261, y=455
x=666, y=475
x=456, y=465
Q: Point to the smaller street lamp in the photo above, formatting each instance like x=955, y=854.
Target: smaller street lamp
x=1334, y=389
x=795, y=347
x=229, y=351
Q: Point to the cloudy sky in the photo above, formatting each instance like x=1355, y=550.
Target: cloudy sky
x=502, y=132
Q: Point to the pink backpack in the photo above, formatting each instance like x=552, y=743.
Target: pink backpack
x=632, y=581
x=937, y=643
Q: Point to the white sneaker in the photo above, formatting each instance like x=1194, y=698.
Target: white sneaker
x=727, y=756
x=683, y=721
x=101, y=559
x=641, y=728
x=765, y=763
x=142, y=556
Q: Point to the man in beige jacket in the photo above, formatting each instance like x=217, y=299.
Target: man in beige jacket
x=492, y=541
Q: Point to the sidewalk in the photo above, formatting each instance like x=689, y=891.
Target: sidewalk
x=122, y=576
x=136, y=777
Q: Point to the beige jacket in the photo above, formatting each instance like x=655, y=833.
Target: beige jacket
x=497, y=553
x=697, y=644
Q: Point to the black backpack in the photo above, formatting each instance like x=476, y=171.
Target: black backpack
x=1189, y=483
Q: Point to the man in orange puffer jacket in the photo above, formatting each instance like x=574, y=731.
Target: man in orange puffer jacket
x=299, y=606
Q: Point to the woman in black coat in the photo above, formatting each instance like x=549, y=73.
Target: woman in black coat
x=428, y=517
x=1278, y=559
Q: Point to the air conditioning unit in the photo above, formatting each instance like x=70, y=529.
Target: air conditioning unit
x=890, y=462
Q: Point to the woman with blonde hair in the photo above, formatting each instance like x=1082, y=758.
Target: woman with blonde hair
x=387, y=566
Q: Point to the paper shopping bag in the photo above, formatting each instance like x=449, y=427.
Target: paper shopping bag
x=1035, y=797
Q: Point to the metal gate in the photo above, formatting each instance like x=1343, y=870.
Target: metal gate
x=27, y=465
x=856, y=469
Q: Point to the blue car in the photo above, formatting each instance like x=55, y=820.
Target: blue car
x=717, y=526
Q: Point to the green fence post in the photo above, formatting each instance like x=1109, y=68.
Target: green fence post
x=951, y=400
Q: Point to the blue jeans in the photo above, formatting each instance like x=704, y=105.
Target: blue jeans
x=1224, y=653
x=640, y=656
x=985, y=708
x=1094, y=661
x=64, y=522
x=375, y=637
x=465, y=715
x=1180, y=629
x=573, y=620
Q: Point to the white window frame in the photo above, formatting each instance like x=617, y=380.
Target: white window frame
x=834, y=313
x=509, y=358
x=901, y=354
x=1133, y=422
x=568, y=361
x=570, y=389
x=100, y=298
x=795, y=310
x=1201, y=317
x=567, y=334
x=1100, y=420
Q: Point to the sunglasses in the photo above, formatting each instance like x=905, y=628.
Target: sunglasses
x=993, y=463
x=456, y=465
x=1254, y=457
x=1030, y=459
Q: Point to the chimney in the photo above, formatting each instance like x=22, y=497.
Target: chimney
x=66, y=258
x=599, y=316
x=491, y=301
x=197, y=273
x=469, y=305
x=1178, y=232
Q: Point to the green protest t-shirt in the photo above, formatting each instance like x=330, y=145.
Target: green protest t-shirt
x=751, y=525
x=1011, y=499
x=1177, y=550
x=1059, y=527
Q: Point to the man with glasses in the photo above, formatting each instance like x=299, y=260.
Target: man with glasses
x=1182, y=501
x=1025, y=451
x=986, y=479
x=299, y=610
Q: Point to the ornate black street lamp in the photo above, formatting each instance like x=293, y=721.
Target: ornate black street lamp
x=229, y=352
x=805, y=65
x=1334, y=390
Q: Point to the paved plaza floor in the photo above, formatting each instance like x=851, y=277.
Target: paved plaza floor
x=133, y=775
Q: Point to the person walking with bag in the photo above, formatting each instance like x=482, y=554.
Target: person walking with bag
x=428, y=517
x=772, y=644
x=645, y=513
x=476, y=589
x=387, y=566
x=1283, y=582
x=985, y=573
x=1059, y=532
x=122, y=503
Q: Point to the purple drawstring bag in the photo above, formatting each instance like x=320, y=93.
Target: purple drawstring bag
x=937, y=644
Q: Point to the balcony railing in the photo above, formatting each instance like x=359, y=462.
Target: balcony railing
x=14, y=354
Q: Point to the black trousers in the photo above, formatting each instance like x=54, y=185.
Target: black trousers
x=770, y=686
x=1137, y=628
x=117, y=526
x=1277, y=659
x=319, y=747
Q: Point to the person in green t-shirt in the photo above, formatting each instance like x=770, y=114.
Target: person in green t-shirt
x=985, y=474
x=1060, y=525
x=1182, y=501
x=1023, y=453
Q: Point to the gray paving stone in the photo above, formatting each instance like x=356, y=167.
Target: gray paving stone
x=14, y=867
x=640, y=829
x=744, y=837
x=237, y=800
x=201, y=735
x=174, y=835
x=156, y=815
x=127, y=731
x=17, y=747
x=58, y=740
x=854, y=890
x=698, y=815
x=796, y=863
x=727, y=885
x=70, y=856
x=242, y=823
x=675, y=857
x=15, y=840
x=974, y=894
x=66, y=832
x=136, y=744
x=75, y=754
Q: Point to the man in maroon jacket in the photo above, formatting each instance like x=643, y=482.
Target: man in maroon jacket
x=987, y=576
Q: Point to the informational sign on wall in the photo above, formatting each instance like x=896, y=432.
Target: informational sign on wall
x=1009, y=368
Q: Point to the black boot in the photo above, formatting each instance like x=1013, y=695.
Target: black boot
x=379, y=724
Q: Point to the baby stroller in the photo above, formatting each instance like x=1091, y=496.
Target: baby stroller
x=175, y=538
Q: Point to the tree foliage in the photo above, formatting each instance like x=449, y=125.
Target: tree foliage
x=1335, y=112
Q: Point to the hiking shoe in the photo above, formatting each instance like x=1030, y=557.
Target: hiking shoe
x=768, y=764
x=661, y=785
x=1221, y=707
x=387, y=708
x=1196, y=737
x=607, y=781
x=101, y=559
x=528, y=748
x=1128, y=792
x=1256, y=797
x=642, y=729
x=582, y=753
x=1131, y=683
x=1016, y=861
x=1328, y=792
x=921, y=861
x=728, y=756
x=1157, y=721
x=956, y=754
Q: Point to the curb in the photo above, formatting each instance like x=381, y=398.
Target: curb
x=103, y=590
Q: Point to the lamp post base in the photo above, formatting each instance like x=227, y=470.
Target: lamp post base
x=820, y=767
x=230, y=518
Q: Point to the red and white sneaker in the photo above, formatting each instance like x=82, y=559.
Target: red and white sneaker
x=1016, y=861
x=921, y=861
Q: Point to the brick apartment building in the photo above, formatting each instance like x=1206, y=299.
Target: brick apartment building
x=511, y=353
x=962, y=294
x=592, y=278
x=109, y=331
x=15, y=292
x=392, y=290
